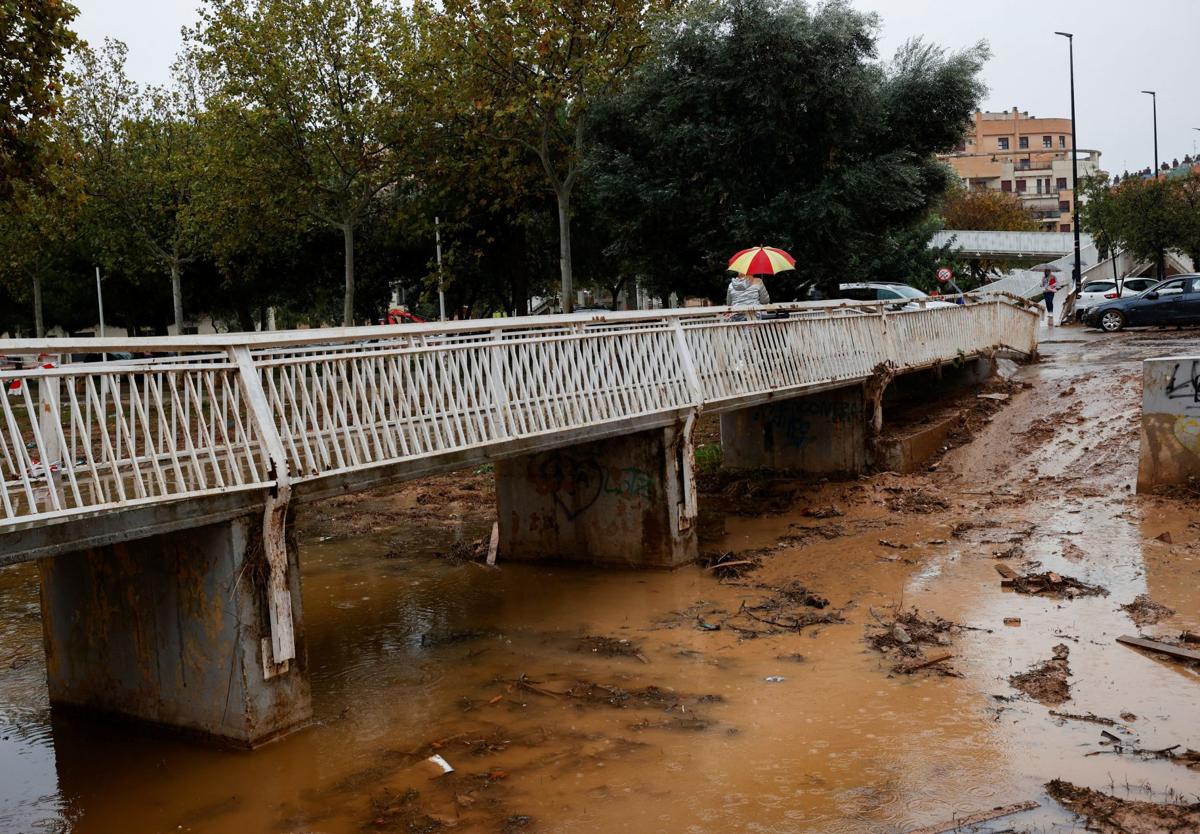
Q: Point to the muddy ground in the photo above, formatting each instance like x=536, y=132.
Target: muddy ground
x=846, y=657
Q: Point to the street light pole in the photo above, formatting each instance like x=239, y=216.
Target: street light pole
x=1078, y=269
x=1160, y=266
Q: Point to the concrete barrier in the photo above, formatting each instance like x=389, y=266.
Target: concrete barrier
x=1170, y=452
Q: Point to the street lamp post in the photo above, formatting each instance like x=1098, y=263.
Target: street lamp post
x=1160, y=266
x=1078, y=269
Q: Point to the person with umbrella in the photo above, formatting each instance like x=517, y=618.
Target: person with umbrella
x=1049, y=288
x=746, y=289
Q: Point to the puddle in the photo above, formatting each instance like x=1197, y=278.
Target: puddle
x=578, y=700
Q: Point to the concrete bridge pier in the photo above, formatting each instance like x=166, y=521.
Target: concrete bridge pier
x=822, y=434
x=627, y=501
x=174, y=630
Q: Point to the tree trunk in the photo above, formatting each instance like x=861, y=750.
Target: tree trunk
x=348, y=299
x=564, y=249
x=39, y=326
x=177, y=297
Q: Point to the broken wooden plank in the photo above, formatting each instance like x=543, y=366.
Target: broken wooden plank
x=1007, y=572
x=975, y=819
x=494, y=544
x=1177, y=652
x=909, y=668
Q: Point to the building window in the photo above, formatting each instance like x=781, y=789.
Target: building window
x=1022, y=164
x=1023, y=142
x=1046, y=142
x=1064, y=227
x=1006, y=186
x=1039, y=185
x=1064, y=206
x=1002, y=143
x=1021, y=186
x=1061, y=183
x=1062, y=141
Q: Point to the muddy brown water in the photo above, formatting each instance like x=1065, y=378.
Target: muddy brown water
x=411, y=655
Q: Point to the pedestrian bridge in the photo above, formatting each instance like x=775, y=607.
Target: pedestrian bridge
x=163, y=484
x=1045, y=246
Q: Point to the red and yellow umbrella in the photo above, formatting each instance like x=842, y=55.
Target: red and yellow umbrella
x=761, y=260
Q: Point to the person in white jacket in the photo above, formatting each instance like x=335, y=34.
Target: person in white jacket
x=746, y=291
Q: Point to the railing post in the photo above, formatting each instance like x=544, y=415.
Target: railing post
x=279, y=597
x=691, y=378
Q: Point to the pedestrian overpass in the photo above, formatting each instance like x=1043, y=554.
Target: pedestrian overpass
x=156, y=493
x=1045, y=246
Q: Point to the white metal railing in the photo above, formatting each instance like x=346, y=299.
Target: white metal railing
x=77, y=439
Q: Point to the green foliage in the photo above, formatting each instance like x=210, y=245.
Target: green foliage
x=708, y=457
x=34, y=36
x=322, y=87
x=529, y=72
x=1144, y=216
x=985, y=211
x=761, y=121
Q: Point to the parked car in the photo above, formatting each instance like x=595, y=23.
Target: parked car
x=1174, y=301
x=907, y=297
x=1097, y=292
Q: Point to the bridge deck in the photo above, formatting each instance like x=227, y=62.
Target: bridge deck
x=101, y=452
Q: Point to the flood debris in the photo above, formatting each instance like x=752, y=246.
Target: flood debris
x=1145, y=611
x=730, y=565
x=1111, y=815
x=960, y=823
x=1091, y=718
x=902, y=635
x=1047, y=682
x=1176, y=650
x=917, y=501
x=1048, y=584
x=609, y=647
x=828, y=511
x=782, y=610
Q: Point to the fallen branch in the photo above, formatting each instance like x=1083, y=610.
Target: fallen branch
x=909, y=668
x=975, y=819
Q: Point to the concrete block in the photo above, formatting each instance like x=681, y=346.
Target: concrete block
x=821, y=434
x=622, y=501
x=169, y=630
x=1170, y=436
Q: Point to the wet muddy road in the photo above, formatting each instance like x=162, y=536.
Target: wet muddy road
x=574, y=700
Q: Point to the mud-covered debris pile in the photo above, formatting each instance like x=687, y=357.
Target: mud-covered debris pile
x=1047, y=682
x=1145, y=611
x=729, y=565
x=466, y=551
x=609, y=647
x=787, y=608
x=918, y=501
x=1110, y=815
x=1051, y=584
x=904, y=636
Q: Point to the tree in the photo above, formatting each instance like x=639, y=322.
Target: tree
x=763, y=121
x=139, y=152
x=323, y=85
x=529, y=72
x=37, y=230
x=34, y=36
x=986, y=211
x=1185, y=201
x=1145, y=217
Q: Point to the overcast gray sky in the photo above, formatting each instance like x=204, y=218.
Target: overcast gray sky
x=1121, y=47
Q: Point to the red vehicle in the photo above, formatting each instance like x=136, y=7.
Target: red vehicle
x=398, y=315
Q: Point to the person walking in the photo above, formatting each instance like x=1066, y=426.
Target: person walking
x=1049, y=288
x=746, y=291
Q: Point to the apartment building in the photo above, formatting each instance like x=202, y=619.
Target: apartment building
x=1027, y=156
